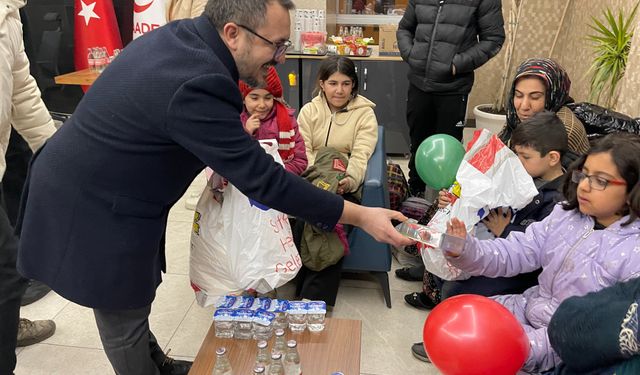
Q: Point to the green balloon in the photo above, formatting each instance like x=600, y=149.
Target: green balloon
x=438, y=159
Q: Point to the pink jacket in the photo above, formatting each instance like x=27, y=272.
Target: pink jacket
x=269, y=130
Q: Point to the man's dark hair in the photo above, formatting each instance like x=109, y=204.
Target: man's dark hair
x=250, y=13
x=544, y=132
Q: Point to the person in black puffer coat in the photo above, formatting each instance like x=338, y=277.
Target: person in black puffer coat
x=444, y=41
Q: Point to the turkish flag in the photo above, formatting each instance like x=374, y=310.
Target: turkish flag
x=95, y=26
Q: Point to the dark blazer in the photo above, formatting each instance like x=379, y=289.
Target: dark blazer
x=435, y=34
x=100, y=189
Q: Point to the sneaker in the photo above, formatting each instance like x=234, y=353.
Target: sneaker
x=418, y=351
x=32, y=332
x=35, y=291
x=172, y=366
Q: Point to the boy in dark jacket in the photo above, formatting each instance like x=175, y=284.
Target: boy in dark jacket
x=443, y=42
x=540, y=142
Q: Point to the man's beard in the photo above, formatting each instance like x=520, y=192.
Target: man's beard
x=245, y=65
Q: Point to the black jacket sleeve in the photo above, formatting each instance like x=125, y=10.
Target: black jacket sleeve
x=490, y=38
x=586, y=331
x=407, y=30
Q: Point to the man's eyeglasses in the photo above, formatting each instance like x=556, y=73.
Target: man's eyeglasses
x=281, y=47
x=595, y=182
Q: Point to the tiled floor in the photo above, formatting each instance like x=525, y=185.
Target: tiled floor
x=180, y=324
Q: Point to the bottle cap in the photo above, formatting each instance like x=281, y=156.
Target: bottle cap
x=276, y=355
x=258, y=370
x=292, y=343
x=262, y=344
x=221, y=350
x=279, y=332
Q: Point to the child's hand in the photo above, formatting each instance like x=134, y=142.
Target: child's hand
x=456, y=228
x=497, y=220
x=443, y=199
x=345, y=185
x=252, y=124
x=453, y=241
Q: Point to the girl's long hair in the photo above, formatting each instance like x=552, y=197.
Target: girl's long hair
x=624, y=149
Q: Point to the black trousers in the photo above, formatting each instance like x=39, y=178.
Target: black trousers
x=486, y=286
x=17, y=157
x=429, y=114
x=12, y=286
x=128, y=342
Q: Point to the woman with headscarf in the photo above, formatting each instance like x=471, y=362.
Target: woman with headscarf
x=540, y=84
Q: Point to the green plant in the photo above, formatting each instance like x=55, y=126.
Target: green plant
x=611, y=44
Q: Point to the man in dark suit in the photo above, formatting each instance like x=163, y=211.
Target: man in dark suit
x=99, y=191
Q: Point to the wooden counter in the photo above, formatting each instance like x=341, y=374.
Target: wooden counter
x=337, y=348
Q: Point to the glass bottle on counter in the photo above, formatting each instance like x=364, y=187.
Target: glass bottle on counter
x=280, y=343
x=222, y=366
x=276, y=368
x=292, y=359
x=263, y=358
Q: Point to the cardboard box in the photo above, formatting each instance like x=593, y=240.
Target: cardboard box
x=387, y=41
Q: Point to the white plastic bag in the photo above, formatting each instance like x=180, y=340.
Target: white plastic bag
x=238, y=244
x=489, y=176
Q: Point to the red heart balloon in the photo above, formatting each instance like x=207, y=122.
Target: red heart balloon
x=470, y=334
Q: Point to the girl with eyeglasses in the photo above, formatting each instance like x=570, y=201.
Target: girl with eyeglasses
x=589, y=242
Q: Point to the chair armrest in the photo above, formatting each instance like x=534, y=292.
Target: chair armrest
x=375, y=192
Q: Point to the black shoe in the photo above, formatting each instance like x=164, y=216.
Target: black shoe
x=419, y=301
x=34, y=292
x=418, y=351
x=414, y=273
x=172, y=366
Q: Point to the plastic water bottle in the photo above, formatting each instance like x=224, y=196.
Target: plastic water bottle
x=223, y=321
x=276, y=368
x=416, y=232
x=297, y=316
x=292, y=359
x=280, y=308
x=244, y=324
x=263, y=358
x=97, y=55
x=280, y=343
x=263, y=324
x=316, y=311
x=222, y=366
x=91, y=59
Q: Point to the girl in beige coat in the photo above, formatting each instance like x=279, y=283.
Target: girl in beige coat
x=340, y=118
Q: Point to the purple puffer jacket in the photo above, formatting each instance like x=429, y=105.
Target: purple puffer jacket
x=269, y=130
x=575, y=260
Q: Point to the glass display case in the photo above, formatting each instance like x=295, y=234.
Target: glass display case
x=368, y=14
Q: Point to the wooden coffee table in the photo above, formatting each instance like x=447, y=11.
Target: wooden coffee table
x=337, y=348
